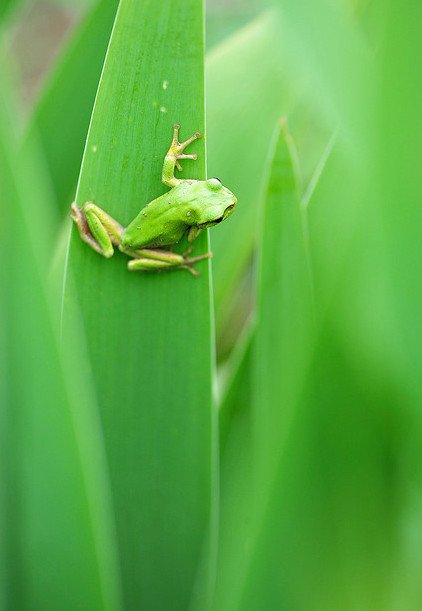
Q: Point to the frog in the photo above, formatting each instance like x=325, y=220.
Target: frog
x=187, y=209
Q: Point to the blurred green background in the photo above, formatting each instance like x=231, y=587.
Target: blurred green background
x=251, y=439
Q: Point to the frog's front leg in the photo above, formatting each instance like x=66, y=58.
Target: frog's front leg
x=153, y=260
x=97, y=228
x=171, y=160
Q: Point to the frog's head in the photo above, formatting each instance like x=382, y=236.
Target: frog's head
x=191, y=206
x=215, y=203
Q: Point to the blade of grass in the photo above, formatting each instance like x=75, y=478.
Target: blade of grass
x=325, y=539
x=56, y=522
x=223, y=20
x=243, y=78
x=328, y=533
x=251, y=75
x=231, y=377
x=7, y=7
x=397, y=137
x=284, y=329
x=236, y=435
x=398, y=198
x=149, y=336
x=327, y=536
x=274, y=367
x=61, y=116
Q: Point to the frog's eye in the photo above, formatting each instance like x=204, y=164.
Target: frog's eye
x=214, y=184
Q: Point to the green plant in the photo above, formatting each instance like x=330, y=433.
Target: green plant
x=151, y=457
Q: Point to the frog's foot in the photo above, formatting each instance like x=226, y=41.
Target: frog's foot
x=155, y=260
x=189, y=261
x=178, y=147
x=96, y=228
x=173, y=155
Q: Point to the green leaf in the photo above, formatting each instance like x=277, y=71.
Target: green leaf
x=58, y=535
x=236, y=434
x=398, y=194
x=231, y=383
x=331, y=530
x=328, y=521
x=7, y=7
x=149, y=336
x=222, y=20
x=332, y=511
x=271, y=374
x=243, y=78
x=284, y=328
x=253, y=74
x=61, y=116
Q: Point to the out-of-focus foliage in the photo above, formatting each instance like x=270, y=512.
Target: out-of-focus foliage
x=109, y=444
x=58, y=548
x=251, y=73
x=6, y=7
x=70, y=93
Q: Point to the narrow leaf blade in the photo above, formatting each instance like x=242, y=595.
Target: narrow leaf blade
x=61, y=116
x=59, y=536
x=149, y=336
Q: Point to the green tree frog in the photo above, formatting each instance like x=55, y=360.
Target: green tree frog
x=190, y=206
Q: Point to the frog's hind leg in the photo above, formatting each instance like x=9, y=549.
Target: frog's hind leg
x=96, y=228
x=79, y=218
x=154, y=260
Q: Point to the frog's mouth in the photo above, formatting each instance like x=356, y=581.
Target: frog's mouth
x=228, y=211
x=219, y=219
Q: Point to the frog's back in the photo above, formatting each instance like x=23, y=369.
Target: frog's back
x=159, y=223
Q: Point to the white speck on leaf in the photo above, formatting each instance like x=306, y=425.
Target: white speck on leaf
x=188, y=213
x=165, y=84
x=163, y=109
x=94, y=148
